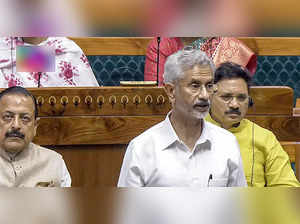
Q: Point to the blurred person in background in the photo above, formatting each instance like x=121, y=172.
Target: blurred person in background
x=265, y=162
x=190, y=18
x=40, y=18
x=219, y=49
x=23, y=163
x=184, y=150
x=71, y=65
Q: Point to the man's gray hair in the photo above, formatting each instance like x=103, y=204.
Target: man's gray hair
x=184, y=60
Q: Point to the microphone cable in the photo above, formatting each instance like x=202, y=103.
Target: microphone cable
x=252, y=171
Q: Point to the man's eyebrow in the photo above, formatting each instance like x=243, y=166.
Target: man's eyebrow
x=30, y=114
x=195, y=80
x=225, y=93
x=8, y=112
x=198, y=81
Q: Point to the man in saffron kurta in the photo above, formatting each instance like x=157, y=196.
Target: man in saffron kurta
x=264, y=160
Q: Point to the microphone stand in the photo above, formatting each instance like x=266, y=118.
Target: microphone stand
x=39, y=79
x=157, y=65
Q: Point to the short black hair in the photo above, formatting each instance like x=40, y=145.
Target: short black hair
x=18, y=90
x=230, y=70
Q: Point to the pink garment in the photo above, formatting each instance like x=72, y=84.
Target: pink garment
x=167, y=47
x=221, y=49
x=71, y=65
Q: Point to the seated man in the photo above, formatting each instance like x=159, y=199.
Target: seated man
x=71, y=65
x=22, y=163
x=265, y=162
x=184, y=150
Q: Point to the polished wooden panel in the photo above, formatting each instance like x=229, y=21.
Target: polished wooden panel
x=92, y=130
x=298, y=103
x=290, y=148
x=120, y=130
x=113, y=45
x=93, y=166
x=110, y=101
x=280, y=46
x=133, y=101
x=285, y=128
x=137, y=46
x=296, y=110
x=272, y=100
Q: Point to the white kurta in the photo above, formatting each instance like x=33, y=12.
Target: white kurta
x=71, y=65
x=157, y=158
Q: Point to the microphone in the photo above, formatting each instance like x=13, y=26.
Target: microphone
x=157, y=65
x=39, y=79
x=209, y=179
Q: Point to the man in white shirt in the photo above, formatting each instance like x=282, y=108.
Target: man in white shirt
x=184, y=150
x=23, y=163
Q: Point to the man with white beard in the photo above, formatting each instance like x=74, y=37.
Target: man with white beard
x=184, y=150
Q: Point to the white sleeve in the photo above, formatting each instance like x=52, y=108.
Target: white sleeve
x=86, y=75
x=75, y=55
x=66, y=178
x=131, y=174
x=237, y=176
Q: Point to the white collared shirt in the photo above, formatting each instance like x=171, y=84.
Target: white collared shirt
x=157, y=158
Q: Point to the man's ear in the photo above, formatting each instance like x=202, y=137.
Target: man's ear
x=36, y=124
x=170, y=90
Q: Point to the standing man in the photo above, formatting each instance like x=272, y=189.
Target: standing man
x=184, y=150
x=22, y=163
x=265, y=162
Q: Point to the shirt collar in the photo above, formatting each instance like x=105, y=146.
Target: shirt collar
x=168, y=135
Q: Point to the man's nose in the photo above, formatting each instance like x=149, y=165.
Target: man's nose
x=234, y=103
x=203, y=93
x=16, y=123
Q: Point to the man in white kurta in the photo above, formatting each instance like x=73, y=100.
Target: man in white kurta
x=22, y=163
x=184, y=150
x=71, y=65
